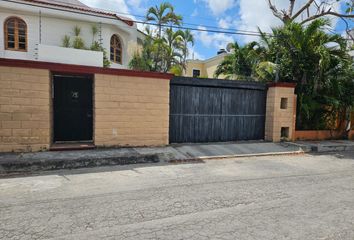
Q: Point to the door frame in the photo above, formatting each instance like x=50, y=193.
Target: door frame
x=52, y=119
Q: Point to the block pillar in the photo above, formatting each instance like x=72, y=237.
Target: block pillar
x=280, y=112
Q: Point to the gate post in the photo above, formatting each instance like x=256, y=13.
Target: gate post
x=280, y=112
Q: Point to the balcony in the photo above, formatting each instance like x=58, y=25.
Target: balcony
x=56, y=54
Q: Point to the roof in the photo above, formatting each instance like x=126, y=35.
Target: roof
x=219, y=56
x=79, y=6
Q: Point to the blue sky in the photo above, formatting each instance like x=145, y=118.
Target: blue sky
x=244, y=15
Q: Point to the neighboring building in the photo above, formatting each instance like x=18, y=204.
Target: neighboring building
x=205, y=68
x=34, y=30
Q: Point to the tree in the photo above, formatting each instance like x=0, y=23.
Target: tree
x=160, y=16
x=320, y=66
x=241, y=63
x=312, y=9
x=187, y=38
x=167, y=50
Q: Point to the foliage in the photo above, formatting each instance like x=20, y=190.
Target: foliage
x=177, y=70
x=96, y=46
x=139, y=63
x=163, y=49
x=66, y=41
x=319, y=64
x=94, y=31
x=241, y=63
x=78, y=42
x=266, y=71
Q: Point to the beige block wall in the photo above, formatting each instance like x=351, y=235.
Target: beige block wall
x=24, y=109
x=131, y=111
x=276, y=118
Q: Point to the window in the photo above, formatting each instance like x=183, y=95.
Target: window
x=284, y=103
x=116, y=49
x=15, y=34
x=196, y=73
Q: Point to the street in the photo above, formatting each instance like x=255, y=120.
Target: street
x=281, y=197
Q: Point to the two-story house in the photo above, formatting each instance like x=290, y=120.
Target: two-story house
x=35, y=30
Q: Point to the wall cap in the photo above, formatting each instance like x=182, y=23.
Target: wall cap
x=282, y=84
x=79, y=69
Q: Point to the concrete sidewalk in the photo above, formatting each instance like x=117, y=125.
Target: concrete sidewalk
x=325, y=146
x=43, y=161
x=177, y=153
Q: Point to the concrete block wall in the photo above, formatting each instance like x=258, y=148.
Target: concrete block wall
x=24, y=109
x=131, y=111
x=278, y=118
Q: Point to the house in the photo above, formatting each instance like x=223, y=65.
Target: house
x=205, y=68
x=52, y=95
x=35, y=30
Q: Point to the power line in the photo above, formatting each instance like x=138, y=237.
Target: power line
x=143, y=17
x=79, y=7
x=200, y=29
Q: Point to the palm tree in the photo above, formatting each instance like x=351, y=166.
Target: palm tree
x=172, y=46
x=318, y=63
x=161, y=15
x=240, y=64
x=187, y=38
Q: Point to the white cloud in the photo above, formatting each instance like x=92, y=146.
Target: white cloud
x=256, y=13
x=213, y=40
x=121, y=7
x=224, y=23
x=118, y=6
x=195, y=13
x=193, y=54
x=218, y=7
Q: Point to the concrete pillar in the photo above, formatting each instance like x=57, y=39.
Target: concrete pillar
x=281, y=112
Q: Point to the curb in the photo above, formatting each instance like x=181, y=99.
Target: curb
x=60, y=164
x=201, y=159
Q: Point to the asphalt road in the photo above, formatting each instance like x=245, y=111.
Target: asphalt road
x=285, y=197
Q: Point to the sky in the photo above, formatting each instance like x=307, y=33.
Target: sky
x=245, y=15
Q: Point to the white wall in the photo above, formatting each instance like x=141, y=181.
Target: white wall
x=56, y=24
x=56, y=54
x=33, y=33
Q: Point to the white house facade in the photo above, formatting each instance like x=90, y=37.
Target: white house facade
x=35, y=30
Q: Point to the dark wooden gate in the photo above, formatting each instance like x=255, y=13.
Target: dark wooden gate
x=210, y=110
x=73, y=108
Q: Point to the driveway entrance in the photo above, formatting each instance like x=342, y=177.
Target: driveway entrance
x=209, y=110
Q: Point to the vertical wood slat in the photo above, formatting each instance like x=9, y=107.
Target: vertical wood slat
x=208, y=110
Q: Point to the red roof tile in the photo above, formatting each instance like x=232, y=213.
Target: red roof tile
x=76, y=5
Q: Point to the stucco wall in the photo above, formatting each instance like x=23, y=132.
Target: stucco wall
x=131, y=111
x=194, y=65
x=24, y=109
x=211, y=66
x=207, y=67
x=56, y=24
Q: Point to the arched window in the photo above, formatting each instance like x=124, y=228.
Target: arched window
x=116, y=49
x=15, y=34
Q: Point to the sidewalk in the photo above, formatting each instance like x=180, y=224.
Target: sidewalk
x=177, y=153
x=44, y=161
x=325, y=146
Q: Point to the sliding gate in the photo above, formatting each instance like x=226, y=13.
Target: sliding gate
x=210, y=110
